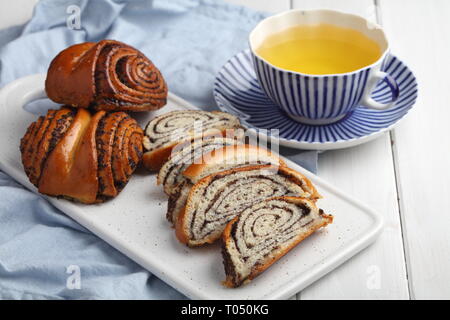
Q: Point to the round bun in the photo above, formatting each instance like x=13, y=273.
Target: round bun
x=107, y=75
x=81, y=156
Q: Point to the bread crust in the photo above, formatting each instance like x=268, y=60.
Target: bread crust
x=182, y=229
x=179, y=232
x=217, y=156
x=103, y=76
x=183, y=156
x=210, y=159
x=61, y=71
x=226, y=238
x=74, y=154
x=154, y=160
x=62, y=174
x=300, y=178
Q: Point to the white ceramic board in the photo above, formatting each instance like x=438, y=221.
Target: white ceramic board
x=135, y=223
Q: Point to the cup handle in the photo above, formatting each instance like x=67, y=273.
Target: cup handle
x=369, y=102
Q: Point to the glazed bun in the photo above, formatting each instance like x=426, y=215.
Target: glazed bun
x=107, y=75
x=81, y=156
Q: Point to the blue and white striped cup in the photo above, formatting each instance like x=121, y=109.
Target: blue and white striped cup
x=320, y=99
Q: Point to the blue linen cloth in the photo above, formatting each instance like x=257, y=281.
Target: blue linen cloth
x=189, y=40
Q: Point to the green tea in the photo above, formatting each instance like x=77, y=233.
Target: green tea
x=319, y=49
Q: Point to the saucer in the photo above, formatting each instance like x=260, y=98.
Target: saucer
x=237, y=91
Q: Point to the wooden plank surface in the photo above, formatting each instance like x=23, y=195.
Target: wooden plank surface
x=419, y=33
x=366, y=172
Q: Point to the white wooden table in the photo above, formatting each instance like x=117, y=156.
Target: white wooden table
x=405, y=174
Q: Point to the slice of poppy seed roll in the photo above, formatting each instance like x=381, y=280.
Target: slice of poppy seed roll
x=216, y=199
x=263, y=233
x=217, y=160
x=230, y=157
x=171, y=173
x=167, y=130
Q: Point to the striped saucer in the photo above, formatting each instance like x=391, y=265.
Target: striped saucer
x=237, y=91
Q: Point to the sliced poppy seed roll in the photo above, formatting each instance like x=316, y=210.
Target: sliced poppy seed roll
x=217, y=199
x=226, y=158
x=171, y=173
x=168, y=130
x=263, y=233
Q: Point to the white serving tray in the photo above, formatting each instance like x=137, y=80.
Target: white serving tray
x=135, y=223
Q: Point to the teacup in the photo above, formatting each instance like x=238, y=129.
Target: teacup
x=327, y=98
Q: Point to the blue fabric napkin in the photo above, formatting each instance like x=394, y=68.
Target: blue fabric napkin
x=43, y=253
